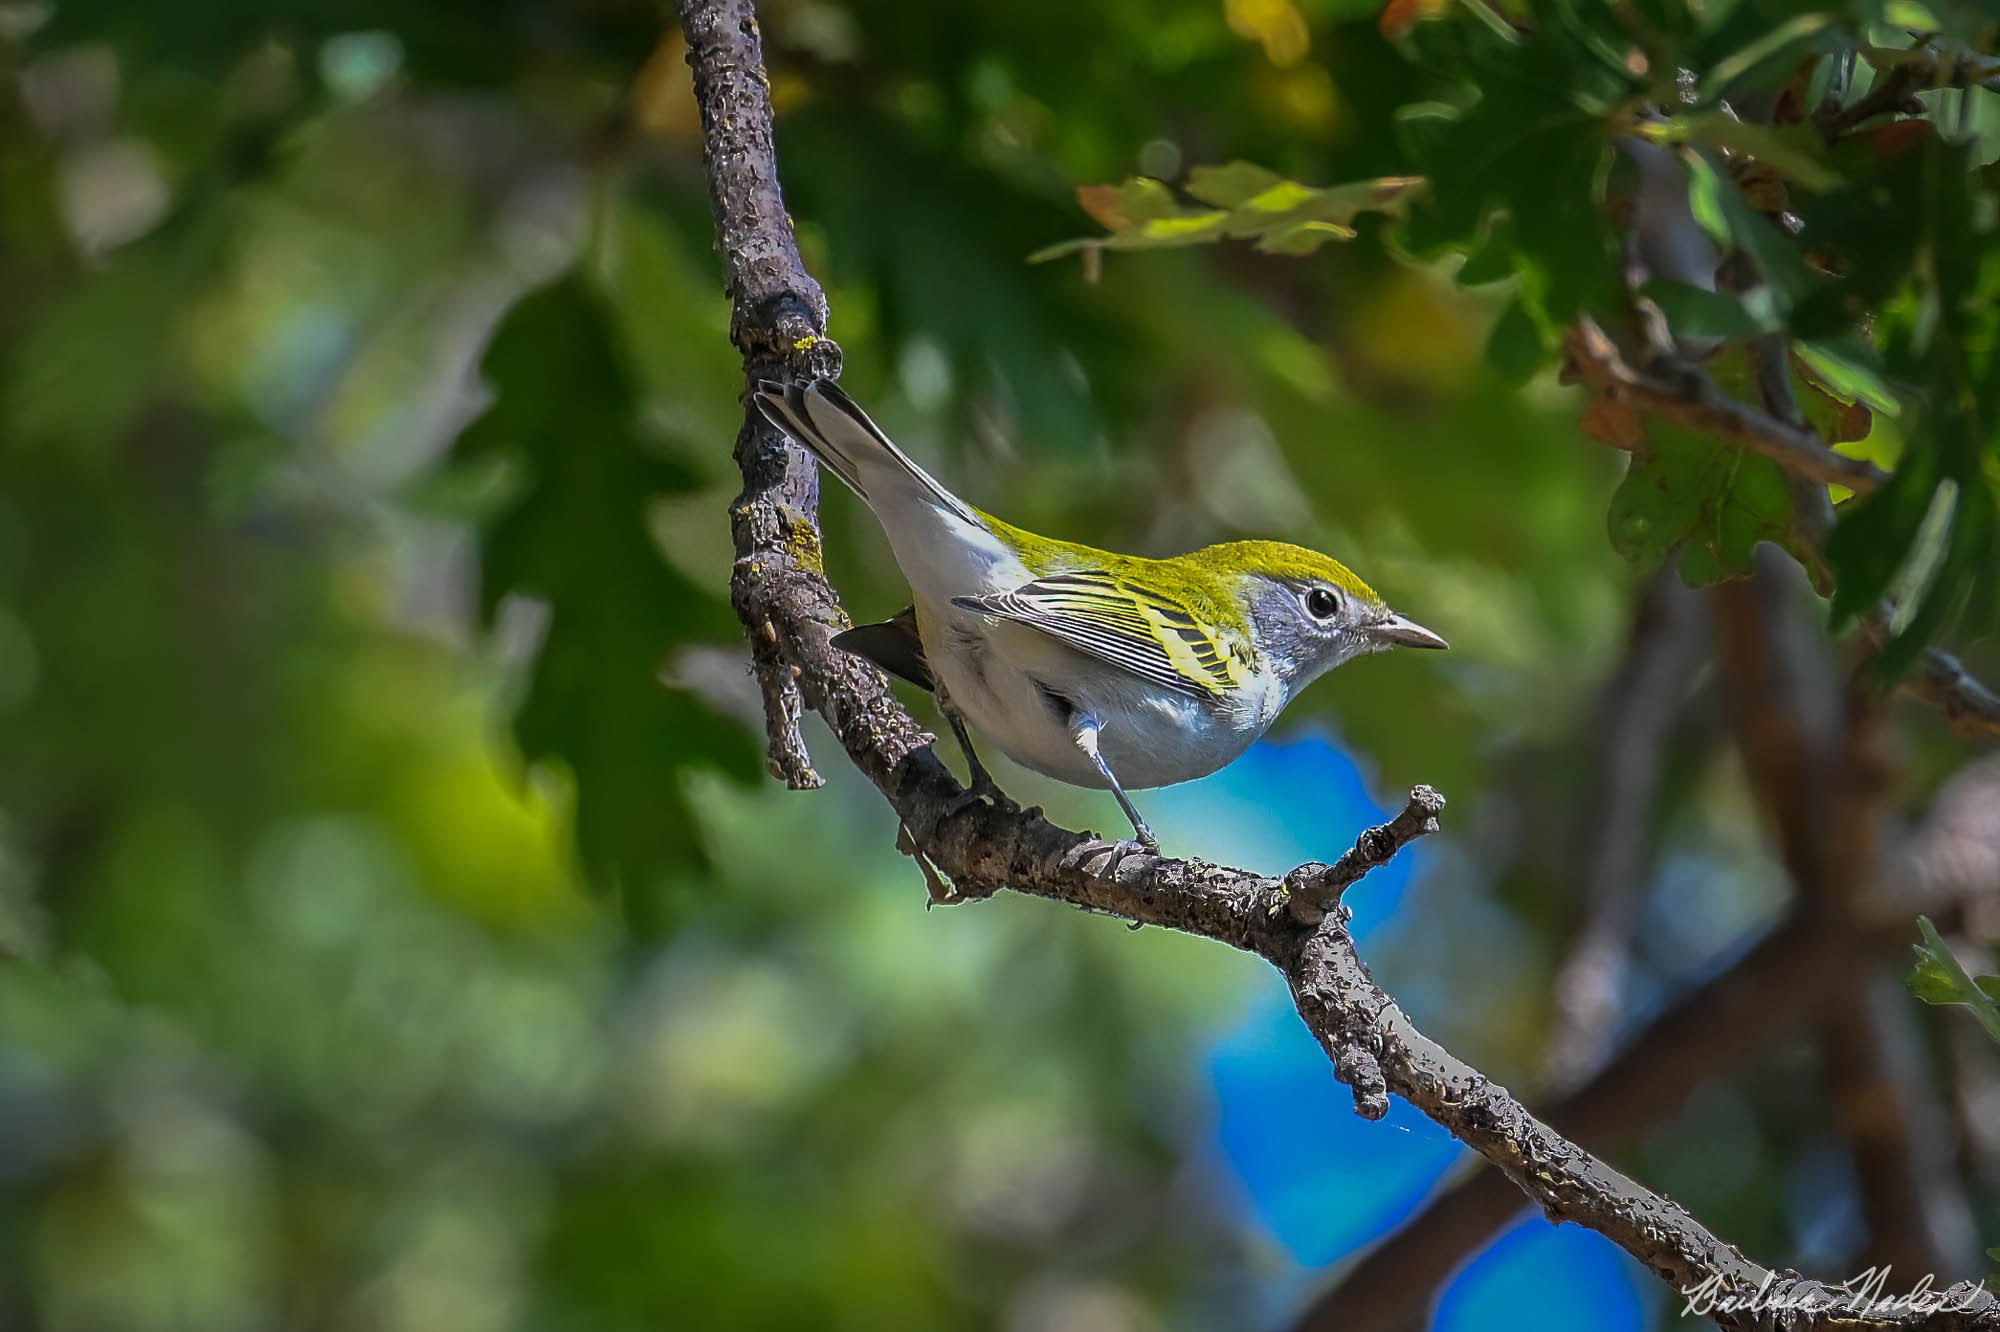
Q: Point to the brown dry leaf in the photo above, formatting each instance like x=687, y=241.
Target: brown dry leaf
x=1764, y=187
x=1399, y=16
x=1852, y=425
x=1609, y=421
x=1893, y=140
x=1101, y=202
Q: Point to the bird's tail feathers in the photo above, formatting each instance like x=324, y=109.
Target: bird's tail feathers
x=823, y=419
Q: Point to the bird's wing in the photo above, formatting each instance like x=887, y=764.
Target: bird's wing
x=893, y=645
x=1126, y=624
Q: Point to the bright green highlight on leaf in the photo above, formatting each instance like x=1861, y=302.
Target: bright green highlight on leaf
x=1940, y=979
x=1797, y=151
x=1847, y=372
x=1247, y=202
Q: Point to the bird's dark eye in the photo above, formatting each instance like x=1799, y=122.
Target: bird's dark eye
x=1321, y=604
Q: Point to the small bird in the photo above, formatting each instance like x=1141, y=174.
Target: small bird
x=1106, y=671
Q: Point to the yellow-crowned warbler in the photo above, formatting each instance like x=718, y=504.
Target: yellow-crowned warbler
x=1102, y=670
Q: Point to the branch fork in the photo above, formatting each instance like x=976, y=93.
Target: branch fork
x=1313, y=890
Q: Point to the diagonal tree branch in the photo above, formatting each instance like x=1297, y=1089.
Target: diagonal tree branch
x=790, y=613
x=1795, y=975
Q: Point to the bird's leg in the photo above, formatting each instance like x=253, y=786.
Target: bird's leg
x=983, y=787
x=1084, y=728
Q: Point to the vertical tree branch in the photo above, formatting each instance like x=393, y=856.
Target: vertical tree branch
x=1885, y=1099
x=778, y=322
x=1816, y=762
x=1638, y=709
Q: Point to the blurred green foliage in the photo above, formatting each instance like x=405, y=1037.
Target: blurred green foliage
x=365, y=400
x=1940, y=979
x=1894, y=282
x=574, y=536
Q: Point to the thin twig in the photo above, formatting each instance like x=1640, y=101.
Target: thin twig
x=1941, y=681
x=1684, y=395
x=1313, y=889
x=1687, y=397
x=1894, y=92
x=778, y=324
x=1933, y=63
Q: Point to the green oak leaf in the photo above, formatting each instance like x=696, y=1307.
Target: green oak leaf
x=1240, y=201
x=1236, y=184
x=1695, y=313
x=1491, y=259
x=1869, y=543
x=574, y=534
x=1925, y=540
x=1837, y=412
x=1518, y=172
x=1795, y=150
x=1711, y=501
x=1940, y=979
x=1518, y=343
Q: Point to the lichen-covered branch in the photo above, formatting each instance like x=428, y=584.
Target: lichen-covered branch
x=790, y=614
x=779, y=315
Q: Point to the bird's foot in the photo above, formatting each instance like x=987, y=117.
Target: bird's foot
x=1100, y=859
x=982, y=788
x=1144, y=834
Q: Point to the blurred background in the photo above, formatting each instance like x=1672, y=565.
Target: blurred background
x=398, y=931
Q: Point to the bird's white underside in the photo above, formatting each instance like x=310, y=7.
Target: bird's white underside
x=998, y=674
x=1001, y=674
x=1158, y=737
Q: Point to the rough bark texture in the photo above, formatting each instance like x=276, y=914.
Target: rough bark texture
x=790, y=613
x=778, y=321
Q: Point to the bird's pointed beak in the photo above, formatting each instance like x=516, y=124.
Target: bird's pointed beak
x=1404, y=632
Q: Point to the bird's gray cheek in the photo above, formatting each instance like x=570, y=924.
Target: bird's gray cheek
x=1347, y=646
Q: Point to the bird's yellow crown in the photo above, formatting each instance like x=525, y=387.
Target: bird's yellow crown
x=1279, y=560
x=1209, y=582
